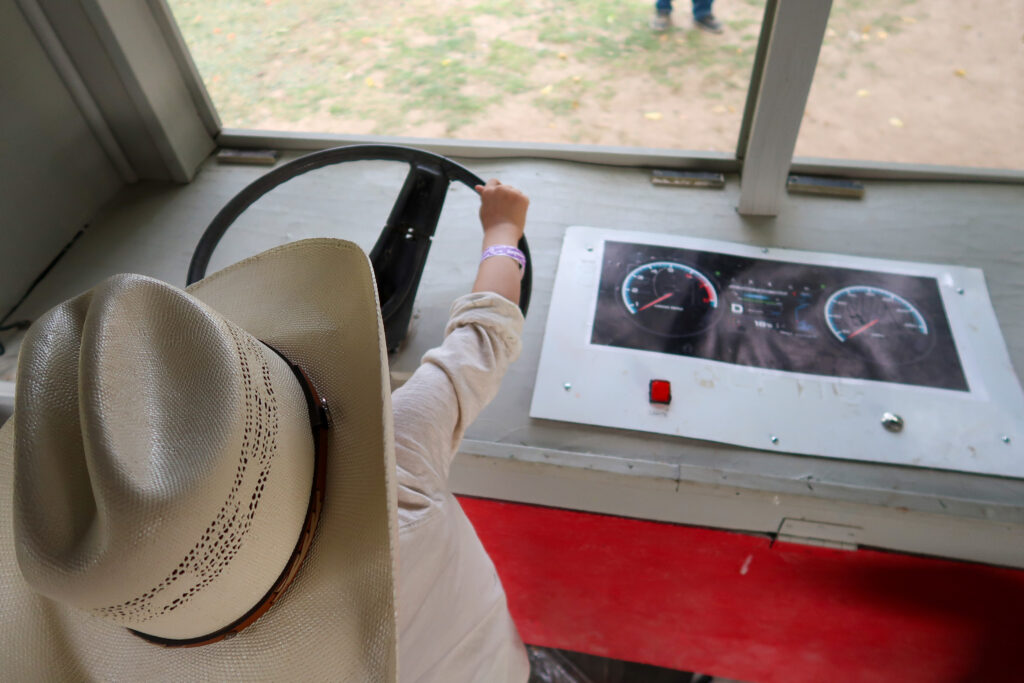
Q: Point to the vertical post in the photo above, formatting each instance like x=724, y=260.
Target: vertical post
x=792, y=55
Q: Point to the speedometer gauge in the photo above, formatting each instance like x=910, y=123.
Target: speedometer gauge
x=670, y=299
x=877, y=324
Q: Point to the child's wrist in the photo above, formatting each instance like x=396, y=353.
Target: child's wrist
x=505, y=251
x=502, y=233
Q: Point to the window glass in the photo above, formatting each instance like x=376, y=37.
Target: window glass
x=938, y=82
x=566, y=71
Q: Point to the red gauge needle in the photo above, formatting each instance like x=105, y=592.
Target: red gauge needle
x=863, y=328
x=659, y=300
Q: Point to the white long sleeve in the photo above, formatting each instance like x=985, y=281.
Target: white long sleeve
x=453, y=620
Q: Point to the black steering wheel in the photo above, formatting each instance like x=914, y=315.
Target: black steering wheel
x=400, y=253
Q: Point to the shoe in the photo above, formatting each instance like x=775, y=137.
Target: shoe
x=708, y=23
x=661, y=22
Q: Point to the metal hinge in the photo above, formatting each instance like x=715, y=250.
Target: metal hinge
x=824, y=534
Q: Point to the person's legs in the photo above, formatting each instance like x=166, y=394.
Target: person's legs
x=703, y=18
x=662, y=20
x=701, y=8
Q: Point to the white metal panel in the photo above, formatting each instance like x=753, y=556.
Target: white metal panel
x=980, y=430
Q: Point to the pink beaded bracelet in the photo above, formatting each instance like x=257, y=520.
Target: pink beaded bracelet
x=505, y=250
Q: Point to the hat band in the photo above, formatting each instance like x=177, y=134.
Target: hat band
x=319, y=421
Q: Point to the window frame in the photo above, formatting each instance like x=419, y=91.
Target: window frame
x=772, y=112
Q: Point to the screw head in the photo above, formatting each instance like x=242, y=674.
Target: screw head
x=892, y=422
x=773, y=438
x=959, y=290
x=764, y=250
x=567, y=386
x=1005, y=439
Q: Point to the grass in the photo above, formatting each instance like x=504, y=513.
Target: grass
x=447, y=61
x=388, y=68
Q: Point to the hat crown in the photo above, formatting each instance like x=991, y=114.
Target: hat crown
x=163, y=460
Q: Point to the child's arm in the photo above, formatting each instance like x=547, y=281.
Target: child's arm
x=460, y=377
x=503, y=216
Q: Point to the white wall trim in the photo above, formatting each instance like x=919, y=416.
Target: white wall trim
x=161, y=117
x=183, y=58
x=36, y=18
x=792, y=55
x=724, y=162
x=886, y=170
x=238, y=138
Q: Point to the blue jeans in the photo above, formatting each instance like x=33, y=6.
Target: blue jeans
x=701, y=8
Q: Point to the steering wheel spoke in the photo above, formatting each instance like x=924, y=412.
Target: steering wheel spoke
x=401, y=251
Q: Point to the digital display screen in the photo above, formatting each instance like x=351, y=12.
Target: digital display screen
x=796, y=317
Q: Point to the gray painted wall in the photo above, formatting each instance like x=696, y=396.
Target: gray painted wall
x=53, y=173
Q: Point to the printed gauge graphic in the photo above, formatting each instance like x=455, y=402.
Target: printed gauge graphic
x=670, y=299
x=877, y=323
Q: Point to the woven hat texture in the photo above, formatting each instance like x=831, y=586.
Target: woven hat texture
x=156, y=473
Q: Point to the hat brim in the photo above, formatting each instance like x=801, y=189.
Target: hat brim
x=316, y=302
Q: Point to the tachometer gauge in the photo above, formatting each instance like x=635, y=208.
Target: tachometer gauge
x=670, y=299
x=877, y=324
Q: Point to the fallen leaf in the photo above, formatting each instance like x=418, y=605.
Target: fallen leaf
x=895, y=122
x=562, y=55
x=863, y=92
x=866, y=28
x=446, y=61
x=908, y=20
x=366, y=40
x=546, y=90
x=216, y=29
x=732, y=109
x=199, y=17
x=653, y=115
x=215, y=79
x=231, y=36
x=866, y=37
x=575, y=104
x=370, y=83
x=576, y=79
x=962, y=73
x=739, y=50
x=719, y=109
x=881, y=35
x=830, y=33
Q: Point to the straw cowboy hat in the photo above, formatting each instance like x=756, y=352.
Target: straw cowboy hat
x=172, y=458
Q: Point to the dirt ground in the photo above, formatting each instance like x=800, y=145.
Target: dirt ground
x=936, y=81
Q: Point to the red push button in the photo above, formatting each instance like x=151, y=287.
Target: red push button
x=661, y=391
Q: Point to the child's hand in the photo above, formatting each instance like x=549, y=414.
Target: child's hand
x=503, y=215
x=502, y=212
